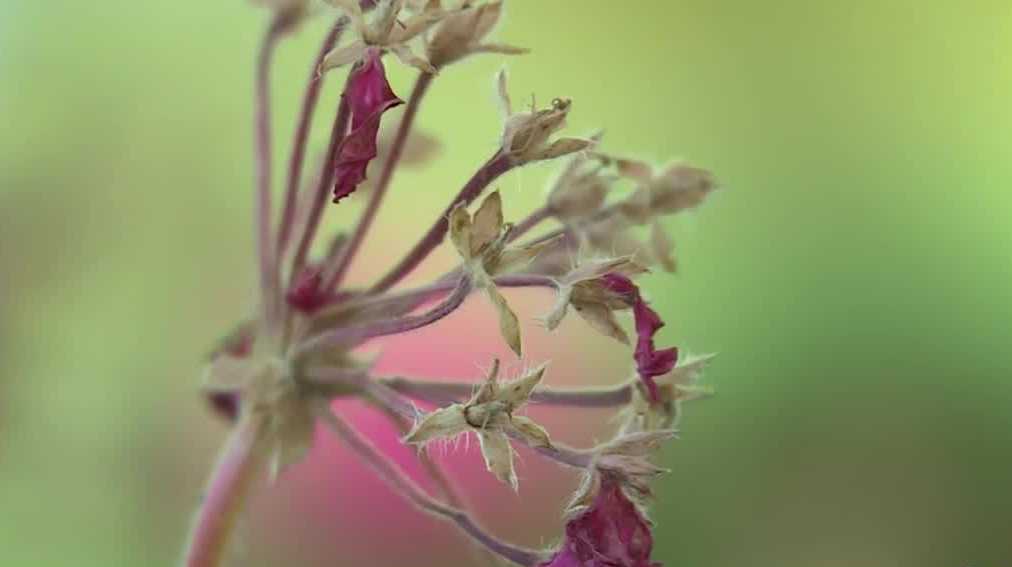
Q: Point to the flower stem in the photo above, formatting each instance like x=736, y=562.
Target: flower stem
x=336, y=275
x=529, y=223
x=227, y=490
x=414, y=494
x=497, y=165
x=441, y=393
x=309, y=102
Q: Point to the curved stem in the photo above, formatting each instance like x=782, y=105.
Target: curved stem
x=533, y=220
x=238, y=466
x=333, y=279
x=309, y=101
x=414, y=494
x=350, y=336
x=497, y=165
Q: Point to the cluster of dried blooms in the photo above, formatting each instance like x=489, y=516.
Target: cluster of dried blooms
x=275, y=376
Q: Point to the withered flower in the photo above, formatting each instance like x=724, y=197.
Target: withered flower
x=489, y=414
x=481, y=242
x=526, y=135
x=463, y=32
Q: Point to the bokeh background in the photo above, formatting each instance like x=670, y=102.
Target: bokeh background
x=853, y=273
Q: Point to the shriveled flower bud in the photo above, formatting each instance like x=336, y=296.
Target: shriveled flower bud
x=526, y=135
x=368, y=95
x=481, y=242
x=307, y=295
x=462, y=33
x=490, y=415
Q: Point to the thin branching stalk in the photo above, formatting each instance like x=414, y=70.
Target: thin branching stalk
x=308, y=109
x=496, y=166
x=531, y=222
x=414, y=494
x=336, y=273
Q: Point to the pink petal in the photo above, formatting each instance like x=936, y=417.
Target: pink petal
x=369, y=95
x=611, y=533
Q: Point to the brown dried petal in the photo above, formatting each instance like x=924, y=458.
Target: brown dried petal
x=602, y=319
x=460, y=230
x=509, y=325
x=487, y=224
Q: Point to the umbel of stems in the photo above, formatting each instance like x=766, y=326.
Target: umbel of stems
x=295, y=356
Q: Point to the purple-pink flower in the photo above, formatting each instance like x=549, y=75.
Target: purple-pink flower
x=368, y=95
x=650, y=362
x=612, y=532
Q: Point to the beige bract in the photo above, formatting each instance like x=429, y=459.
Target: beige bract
x=489, y=414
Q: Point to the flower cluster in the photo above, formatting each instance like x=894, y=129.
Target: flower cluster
x=274, y=378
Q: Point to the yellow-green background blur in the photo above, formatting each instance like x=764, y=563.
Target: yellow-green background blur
x=854, y=272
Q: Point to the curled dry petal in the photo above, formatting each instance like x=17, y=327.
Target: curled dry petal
x=533, y=433
x=368, y=95
x=509, y=325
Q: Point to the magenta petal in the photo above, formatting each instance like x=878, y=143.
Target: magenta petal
x=611, y=533
x=368, y=95
x=621, y=285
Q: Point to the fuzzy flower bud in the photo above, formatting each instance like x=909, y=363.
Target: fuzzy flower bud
x=595, y=302
x=490, y=415
x=385, y=32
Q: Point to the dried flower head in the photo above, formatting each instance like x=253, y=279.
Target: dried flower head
x=273, y=379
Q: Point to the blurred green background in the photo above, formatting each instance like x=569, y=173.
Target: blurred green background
x=853, y=273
